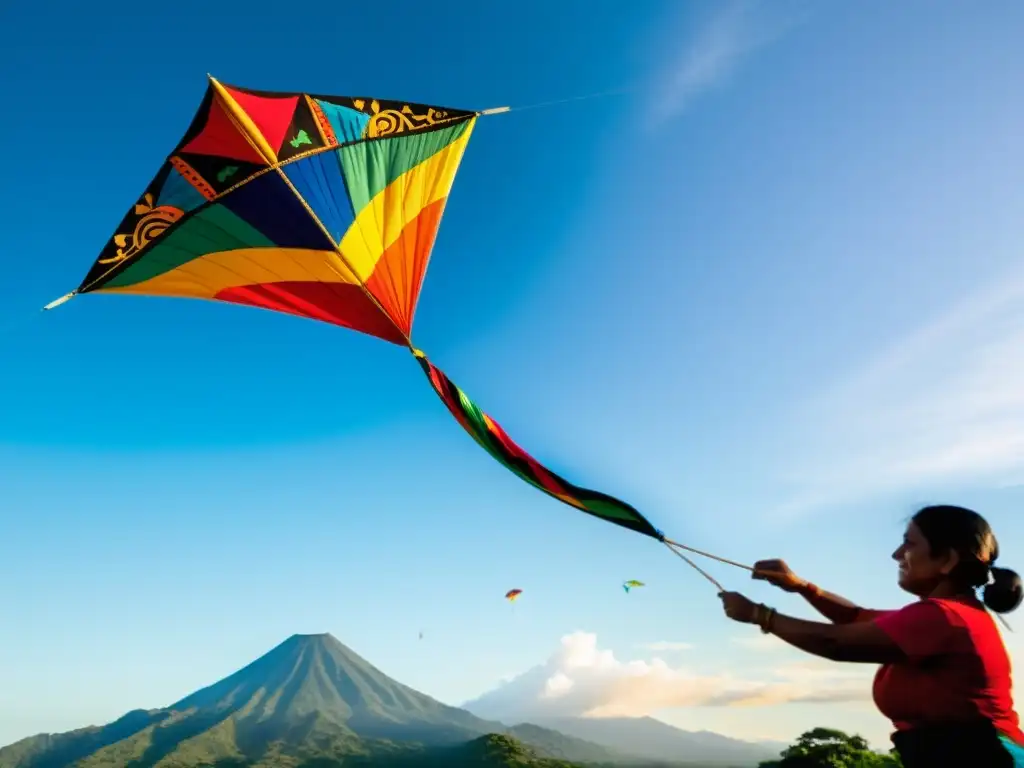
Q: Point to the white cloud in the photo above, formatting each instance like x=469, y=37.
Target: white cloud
x=942, y=406
x=712, y=56
x=582, y=680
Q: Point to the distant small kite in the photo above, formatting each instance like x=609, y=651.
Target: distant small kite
x=628, y=585
x=512, y=594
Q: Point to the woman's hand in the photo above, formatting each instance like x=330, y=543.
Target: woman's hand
x=778, y=574
x=738, y=608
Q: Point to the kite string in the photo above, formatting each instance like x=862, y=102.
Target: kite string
x=693, y=565
x=586, y=97
x=677, y=545
x=556, y=102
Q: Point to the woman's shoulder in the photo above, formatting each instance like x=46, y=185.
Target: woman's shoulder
x=923, y=629
x=968, y=608
x=939, y=610
x=968, y=615
x=942, y=626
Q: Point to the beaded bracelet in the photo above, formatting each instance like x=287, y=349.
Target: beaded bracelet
x=764, y=617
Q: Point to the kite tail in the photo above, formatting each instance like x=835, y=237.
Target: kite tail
x=492, y=438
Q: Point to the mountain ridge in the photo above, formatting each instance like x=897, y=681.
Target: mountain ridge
x=653, y=739
x=308, y=702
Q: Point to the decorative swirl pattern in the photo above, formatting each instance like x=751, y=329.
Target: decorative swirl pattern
x=153, y=222
x=391, y=122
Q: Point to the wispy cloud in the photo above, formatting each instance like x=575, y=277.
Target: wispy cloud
x=942, y=406
x=583, y=680
x=759, y=642
x=713, y=53
x=666, y=646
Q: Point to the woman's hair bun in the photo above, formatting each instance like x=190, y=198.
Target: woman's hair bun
x=1005, y=592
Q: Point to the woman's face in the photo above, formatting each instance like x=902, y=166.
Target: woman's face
x=919, y=572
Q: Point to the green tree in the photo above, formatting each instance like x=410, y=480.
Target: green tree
x=829, y=748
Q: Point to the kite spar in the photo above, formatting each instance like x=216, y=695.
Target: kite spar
x=324, y=207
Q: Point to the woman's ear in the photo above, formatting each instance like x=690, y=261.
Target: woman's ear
x=951, y=561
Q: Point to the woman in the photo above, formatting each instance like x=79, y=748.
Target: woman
x=945, y=677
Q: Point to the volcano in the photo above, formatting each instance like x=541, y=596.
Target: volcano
x=311, y=701
x=311, y=679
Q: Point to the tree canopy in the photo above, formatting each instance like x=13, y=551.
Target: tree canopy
x=829, y=748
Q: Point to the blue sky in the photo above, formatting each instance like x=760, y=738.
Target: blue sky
x=772, y=296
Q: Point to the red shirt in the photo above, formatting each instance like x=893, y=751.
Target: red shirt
x=957, y=668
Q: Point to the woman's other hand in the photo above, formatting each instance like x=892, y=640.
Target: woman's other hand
x=738, y=608
x=778, y=574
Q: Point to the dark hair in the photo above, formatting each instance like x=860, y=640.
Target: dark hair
x=968, y=534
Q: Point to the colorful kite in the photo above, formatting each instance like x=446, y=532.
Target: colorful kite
x=325, y=207
x=628, y=585
x=513, y=594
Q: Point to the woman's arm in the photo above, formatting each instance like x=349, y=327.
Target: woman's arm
x=836, y=609
x=859, y=642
